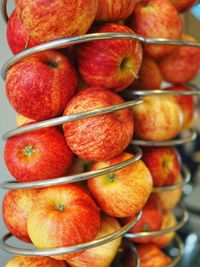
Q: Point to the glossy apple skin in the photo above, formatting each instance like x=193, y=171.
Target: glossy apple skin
x=99, y=137
x=63, y=216
x=19, y=261
x=19, y=39
x=101, y=256
x=183, y=5
x=37, y=155
x=40, y=86
x=149, y=76
x=124, y=192
x=181, y=66
x=21, y=120
x=187, y=104
x=60, y=19
x=157, y=19
x=164, y=164
x=151, y=219
x=16, y=207
x=114, y=10
x=112, y=64
x=159, y=118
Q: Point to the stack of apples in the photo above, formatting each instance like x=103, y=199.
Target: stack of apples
x=86, y=77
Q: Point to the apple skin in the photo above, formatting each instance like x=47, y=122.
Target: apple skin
x=124, y=192
x=19, y=39
x=151, y=219
x=183, y=5
x=159, y=118
x=187, y=104
x=19, y=261
x=16, y=207
x=39, y=86
x=157, y=19
x=63, y=216
x=149, y=68
x=21, y=120
x=37, y=155
x=101, y=256
x=112, y=64
x=164, y=164
x=114, y=10
x=181, y=66
x=60, y=19
x=99, y=137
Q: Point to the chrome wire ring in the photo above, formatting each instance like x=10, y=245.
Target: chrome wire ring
x=184, y=219
x=133, y=93
x=186, y=179
x=4, y=10
x=175, y=142
x=134, y=252
x=73, y=178
x=66, y=250
x=73, y=117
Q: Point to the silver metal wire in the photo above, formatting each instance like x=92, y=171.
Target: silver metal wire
x=134, y=93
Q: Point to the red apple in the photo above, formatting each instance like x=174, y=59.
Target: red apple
x=157, y=19
x=101, y=256
x=50, y=20
x=163, y=163
x=159, y=118
x=114, y=10
x=40, y=85
x=37, y=155
x=182, y=65
x=99, y=137
x=150, y=256
x=17, y=36
x=110, y=63
x=186, y=103
x=21, y=120
x=151, y=219
x=149, y=76
x=17, y=205
x=183, y=5
x=63, y=216
x=19, y=261
x=124, y=192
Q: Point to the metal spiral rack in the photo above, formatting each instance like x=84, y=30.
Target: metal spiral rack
x=134, y=98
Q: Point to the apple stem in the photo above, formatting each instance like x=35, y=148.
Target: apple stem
x=133, y=73
x=28, y=150
x=27, y=43
x=112, y=177
x=60, y=207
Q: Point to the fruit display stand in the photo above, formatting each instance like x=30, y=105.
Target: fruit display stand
x=133, y=98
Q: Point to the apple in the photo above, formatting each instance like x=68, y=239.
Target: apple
x=169, y=220
x=26, y=261
x=63, y=216
x=39, y=86
x=157, y=19
x=149, y=76
x=164, y=164
x=49, y=20
x=150, y=256
x=183, y=5
x=114, y=10
x=187, y=105
x=124, y=192
x=182, y=65
x=151, y=219
x=113, y=63
x=159, y=118
x=17, y=36
x=99, y=137
x=101, y=256
x=37, y=155
x=16, y=207
x=22, y=120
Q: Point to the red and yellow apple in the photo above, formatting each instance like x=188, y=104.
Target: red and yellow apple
x=37, y=155
x=157, y=19
x=22, y=120
x=124, y=192
x=159, y=118
x=113, y=63
x=99, y=137
x=101, y=256
x=63, y=216
x=183, y=5
x=40, y=86
x=49, y=20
